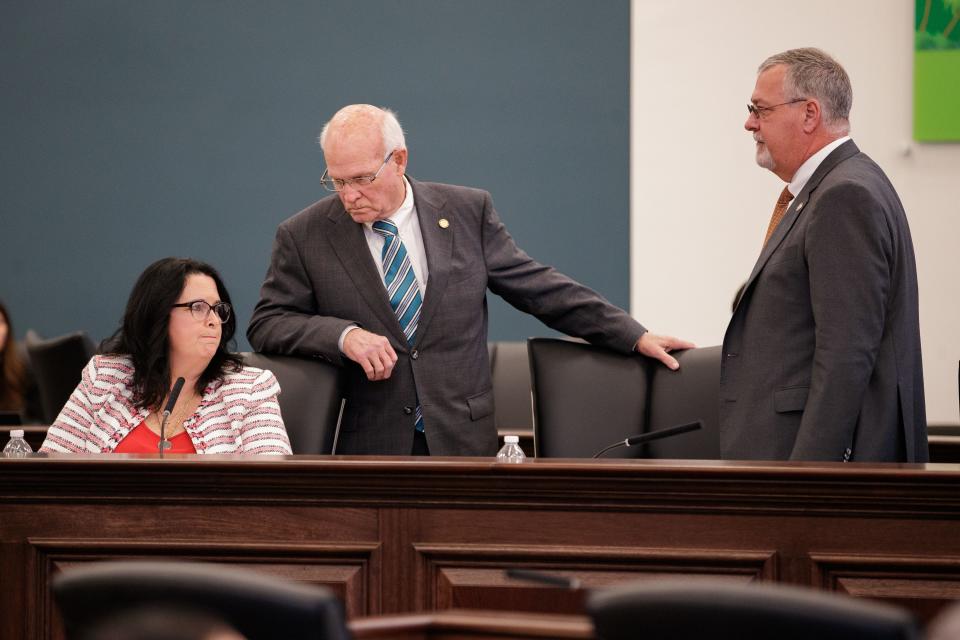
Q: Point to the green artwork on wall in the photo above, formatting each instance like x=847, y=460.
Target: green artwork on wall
x=936, y=71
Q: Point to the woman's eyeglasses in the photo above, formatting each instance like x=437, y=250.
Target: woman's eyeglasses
x=200, y=309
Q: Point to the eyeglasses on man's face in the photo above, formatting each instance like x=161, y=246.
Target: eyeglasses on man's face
x=339, y=184
x=759, y=112
x=200, y=309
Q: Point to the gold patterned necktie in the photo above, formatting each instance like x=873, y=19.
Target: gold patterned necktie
x=782, y=203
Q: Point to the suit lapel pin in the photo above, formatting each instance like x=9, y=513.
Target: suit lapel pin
x=800, y=206
x=443, y=223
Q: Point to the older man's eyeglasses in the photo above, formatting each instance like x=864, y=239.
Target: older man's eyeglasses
x=759, y=112
x=200, y=309
x=338, y=184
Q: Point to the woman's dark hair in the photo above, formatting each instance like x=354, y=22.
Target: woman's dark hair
x=145, y=336
x=13, y=372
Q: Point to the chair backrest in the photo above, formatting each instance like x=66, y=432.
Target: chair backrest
x=510, y=371
x=689, y=394
x=682, y=609
x=256, y=605
x=585, y=398
x=57, y=366
x=311, y=399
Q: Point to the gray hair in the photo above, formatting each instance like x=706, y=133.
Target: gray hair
x=812, y=73
x=390, y=130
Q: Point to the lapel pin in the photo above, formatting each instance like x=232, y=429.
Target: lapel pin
x=444, y=223
x=800, y=206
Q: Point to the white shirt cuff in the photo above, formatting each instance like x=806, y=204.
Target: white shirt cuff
x=344, y=335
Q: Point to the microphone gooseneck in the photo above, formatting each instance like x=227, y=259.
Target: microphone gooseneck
x=167, y=410
x=650, y=436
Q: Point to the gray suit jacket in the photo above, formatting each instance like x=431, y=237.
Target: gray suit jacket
x=322, y=278
x=821, y=360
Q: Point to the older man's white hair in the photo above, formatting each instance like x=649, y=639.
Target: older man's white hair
x=358, y=114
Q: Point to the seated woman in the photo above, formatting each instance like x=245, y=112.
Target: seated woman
x=18, y=391
x=178, y=323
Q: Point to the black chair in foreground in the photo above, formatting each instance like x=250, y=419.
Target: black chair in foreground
x=57, y=365
x=678, y=609
x=586, y=398
x=259, y=607
x=310, y=399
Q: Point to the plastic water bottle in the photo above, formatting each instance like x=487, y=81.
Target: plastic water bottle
x=17, y=447
x=511, y=451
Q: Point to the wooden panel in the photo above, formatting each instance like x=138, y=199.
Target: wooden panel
x=923, y=584
x=351, y=572
x=473, y=576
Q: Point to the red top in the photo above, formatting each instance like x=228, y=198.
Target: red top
x=143, y=440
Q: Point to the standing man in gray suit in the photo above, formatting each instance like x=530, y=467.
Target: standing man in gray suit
x=389, y=277
x=821, y=360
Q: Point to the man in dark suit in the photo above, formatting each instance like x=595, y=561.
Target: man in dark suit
x=821, y=359
x=392, y=273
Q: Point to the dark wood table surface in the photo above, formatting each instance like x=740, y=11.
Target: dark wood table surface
x=406, y=535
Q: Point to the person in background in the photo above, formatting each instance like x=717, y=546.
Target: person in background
x=821, y=359
x=178, y=323
x=18, y=393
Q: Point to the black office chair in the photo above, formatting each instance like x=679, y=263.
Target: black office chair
x=256, y=605
x=32, y=408
x=510, y=372
x=689, y=394
x=678, y=609
x=57, y=365
x=311, y=399
x=585, y=398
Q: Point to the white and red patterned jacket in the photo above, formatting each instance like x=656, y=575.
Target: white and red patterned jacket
x=239, y=414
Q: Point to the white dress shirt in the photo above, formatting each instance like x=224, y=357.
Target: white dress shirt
x=807, y=168
x=408, y=227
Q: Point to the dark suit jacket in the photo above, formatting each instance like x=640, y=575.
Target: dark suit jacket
x=822, y=354
x=322, y=278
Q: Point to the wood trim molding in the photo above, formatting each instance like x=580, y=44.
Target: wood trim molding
x=617, y=485
x=350, y=570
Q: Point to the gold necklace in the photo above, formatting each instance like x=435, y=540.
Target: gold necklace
x=177, y=417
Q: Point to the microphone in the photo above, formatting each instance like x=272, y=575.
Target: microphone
x=650, y=436
x=174, y=394
x=548, y=579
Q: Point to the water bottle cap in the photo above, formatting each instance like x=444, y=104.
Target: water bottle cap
x=511, y=439
x=16, y=433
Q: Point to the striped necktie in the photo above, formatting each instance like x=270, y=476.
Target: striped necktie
x=402, y=287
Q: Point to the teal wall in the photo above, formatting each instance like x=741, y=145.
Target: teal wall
x=130, y=131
